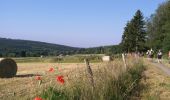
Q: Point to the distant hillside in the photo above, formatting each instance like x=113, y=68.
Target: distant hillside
x=27, y=48
x=14, y=47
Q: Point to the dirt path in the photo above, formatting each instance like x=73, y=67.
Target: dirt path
x=164, y=68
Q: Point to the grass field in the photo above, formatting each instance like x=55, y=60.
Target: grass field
x=61, y=59
x=24, y=84
x=111, y=80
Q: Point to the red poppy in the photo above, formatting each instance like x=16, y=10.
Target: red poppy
x=60, y=79
x=38, y=98
x=38, y=77
x=51, y=69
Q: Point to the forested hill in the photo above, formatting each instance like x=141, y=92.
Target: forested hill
x=26, y=48
x=14, y=47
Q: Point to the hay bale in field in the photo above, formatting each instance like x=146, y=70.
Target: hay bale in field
x=8, y=68
x=106, y=58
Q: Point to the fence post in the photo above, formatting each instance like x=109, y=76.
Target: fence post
x=89, y=71
x=124, y=61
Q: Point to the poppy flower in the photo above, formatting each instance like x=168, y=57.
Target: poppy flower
x=38, y=77
x=60, y=79
x=38, y=98
x=51, y=69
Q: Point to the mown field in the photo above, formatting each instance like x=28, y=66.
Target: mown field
x=24, y=85
x=111, y=80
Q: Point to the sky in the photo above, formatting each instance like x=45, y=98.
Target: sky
x=77, y=23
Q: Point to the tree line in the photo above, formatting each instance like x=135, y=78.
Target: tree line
x=154, y=32
x=24, y=48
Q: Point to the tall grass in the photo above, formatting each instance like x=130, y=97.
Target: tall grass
x=111, y=82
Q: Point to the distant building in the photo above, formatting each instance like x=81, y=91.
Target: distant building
x=106, y=58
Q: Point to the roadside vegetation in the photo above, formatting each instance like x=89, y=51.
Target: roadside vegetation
x=157, y=84
x=110, y=82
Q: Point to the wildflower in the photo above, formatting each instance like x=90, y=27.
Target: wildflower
x=38, y=77
x=38, y=98
x=60, y=79
x=51, y=69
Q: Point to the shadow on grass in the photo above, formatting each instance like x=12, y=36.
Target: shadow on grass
x=27, y=75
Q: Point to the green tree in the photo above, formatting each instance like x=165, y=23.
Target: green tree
x=23, y=53
x=134, y=36
x=128, y=43
x=158, y=28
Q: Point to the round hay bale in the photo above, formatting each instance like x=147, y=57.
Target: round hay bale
x=8, y=68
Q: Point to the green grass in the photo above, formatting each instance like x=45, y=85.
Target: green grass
x=52, y=94
x=64, y=59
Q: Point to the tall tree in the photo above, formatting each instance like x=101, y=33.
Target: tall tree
x=134, y=36
x=158, y=28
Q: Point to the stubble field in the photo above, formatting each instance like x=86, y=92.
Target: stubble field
x=25, y=84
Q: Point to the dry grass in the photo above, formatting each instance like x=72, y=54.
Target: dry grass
x=166, y=62
x=111, y=82
x=157, y=84
x=77, y=84
x=24, y=84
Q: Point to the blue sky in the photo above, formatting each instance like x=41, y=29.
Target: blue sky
x=78, y=23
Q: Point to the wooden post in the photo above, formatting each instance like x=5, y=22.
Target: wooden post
x=89, y=71
x=124, y=61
